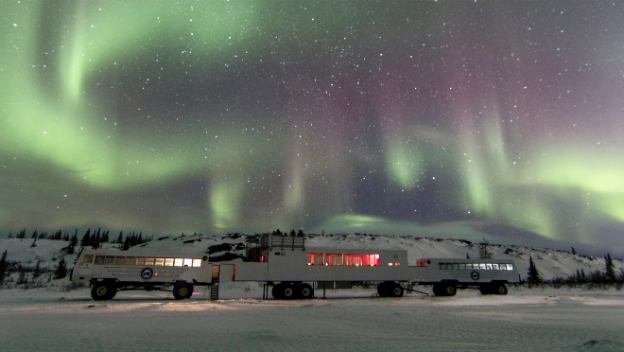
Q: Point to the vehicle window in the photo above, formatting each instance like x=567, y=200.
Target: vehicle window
x=87, y=259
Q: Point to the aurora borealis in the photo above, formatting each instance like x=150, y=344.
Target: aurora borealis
x=451, y=118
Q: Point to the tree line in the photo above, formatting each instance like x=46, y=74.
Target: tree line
x=94, y=238
x=608, y=276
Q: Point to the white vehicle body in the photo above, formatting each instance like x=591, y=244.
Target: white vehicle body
x=292, y=269
x=109, y=270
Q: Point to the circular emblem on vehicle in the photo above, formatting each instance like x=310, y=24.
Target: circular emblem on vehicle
x=147, y=273
x=475, y=275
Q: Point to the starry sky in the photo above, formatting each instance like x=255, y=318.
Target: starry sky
x=485, y=119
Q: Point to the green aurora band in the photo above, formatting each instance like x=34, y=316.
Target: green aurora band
x=350, y=116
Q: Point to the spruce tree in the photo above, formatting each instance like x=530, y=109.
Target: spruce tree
x=37, y=270
x=61, y=270
x=3, y=266
x=609, y=272
x=86, y=239
x=534, y=277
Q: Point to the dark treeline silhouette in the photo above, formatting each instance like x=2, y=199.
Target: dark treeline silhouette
x=596, y=278
x=90, y=238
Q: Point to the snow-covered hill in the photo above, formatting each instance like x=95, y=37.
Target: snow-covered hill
x=550, y=263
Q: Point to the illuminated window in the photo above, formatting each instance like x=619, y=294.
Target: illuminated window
x=109, y=260
x=139, y=261
x=149, y=261
x=196, y=263
x=494, y=266
x=482, y=266
x=488, y=266
x=87, y=259
x=169, y=262
x=336, y=259
x=510, y=267
x=159, y=262
x=178, y=262
x=188, y=262
x=462, y=266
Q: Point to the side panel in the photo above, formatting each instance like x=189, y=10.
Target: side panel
x=435, y=273
x=293, y=266
x=251, y=271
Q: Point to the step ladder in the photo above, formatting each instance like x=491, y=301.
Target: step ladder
x=214, y=291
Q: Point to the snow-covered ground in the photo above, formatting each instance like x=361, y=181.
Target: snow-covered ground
x=53, y=318
x=349, y=320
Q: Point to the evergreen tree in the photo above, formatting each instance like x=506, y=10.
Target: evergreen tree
x=21, y=234
x=3, y=266
x=86, y=239
x=609, y=272
x=35, y=234
x=126, y=244
x=534, y=276
x=37, y=270
x=120, y=238
x=573, y=250
x=73, y=241
x=61, y=270
x=34, y=243
x=58, y=235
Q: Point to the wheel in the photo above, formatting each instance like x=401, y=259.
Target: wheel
x=450, y=290
x=102, y=290
x=438, y=290
x=383, y=289
x=500, y=289
x=277, y=291
x=396, y=290
x=288, y=292
x=182, y=291
x=444, y=289
x=306, y=291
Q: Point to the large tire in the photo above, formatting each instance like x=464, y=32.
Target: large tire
x=443, y=289
x=396, y=290
x=383, y=289
x=277, y=291
x=438, y=290
x=289, y=291
x=306, y=291
x=103, y=290
x=499, y=289
x=182, y=291
x=450, y=290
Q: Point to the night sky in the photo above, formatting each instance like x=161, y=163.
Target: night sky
x=485, y=119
